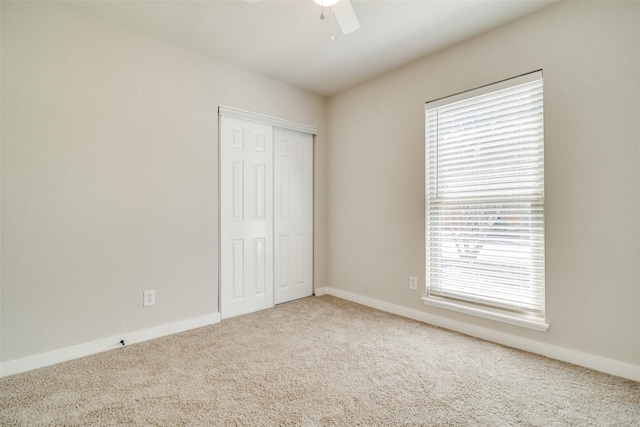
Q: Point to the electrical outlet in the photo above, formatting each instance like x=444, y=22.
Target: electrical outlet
x=413, y=283
x=149, y=298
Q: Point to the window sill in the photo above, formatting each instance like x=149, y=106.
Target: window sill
x=489, y=313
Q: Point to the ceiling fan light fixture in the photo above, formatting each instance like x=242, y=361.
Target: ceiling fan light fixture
x=325, y=3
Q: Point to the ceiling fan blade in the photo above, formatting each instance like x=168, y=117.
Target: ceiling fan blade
x=346, y=17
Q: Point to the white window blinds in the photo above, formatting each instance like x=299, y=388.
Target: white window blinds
x=485, y=196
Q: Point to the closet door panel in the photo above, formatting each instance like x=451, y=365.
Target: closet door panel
x=293, y=219
x=246, y=216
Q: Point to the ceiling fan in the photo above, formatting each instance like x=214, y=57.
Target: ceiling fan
x=342, y=10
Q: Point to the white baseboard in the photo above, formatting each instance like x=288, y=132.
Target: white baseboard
x=598, y=363
x=64, y=354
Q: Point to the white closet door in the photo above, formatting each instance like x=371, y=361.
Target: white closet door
x=246, y=216
x=293, y=215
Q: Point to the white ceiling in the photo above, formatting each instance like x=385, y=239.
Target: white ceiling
x=287, y=41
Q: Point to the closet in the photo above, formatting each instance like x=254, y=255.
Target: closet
x=266, y=211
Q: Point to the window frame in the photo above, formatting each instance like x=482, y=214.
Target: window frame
x=514, y=317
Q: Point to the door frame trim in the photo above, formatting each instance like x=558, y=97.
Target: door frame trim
x=261, y=118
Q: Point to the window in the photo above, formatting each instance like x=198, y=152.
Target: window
x=485, y=202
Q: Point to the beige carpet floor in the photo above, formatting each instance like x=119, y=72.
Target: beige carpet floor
x=318, y=361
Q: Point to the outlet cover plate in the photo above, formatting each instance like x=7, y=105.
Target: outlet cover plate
x=149, y=298
x=413, y=283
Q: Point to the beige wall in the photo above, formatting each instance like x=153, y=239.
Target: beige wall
x=110, y=178
x=590, y=54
